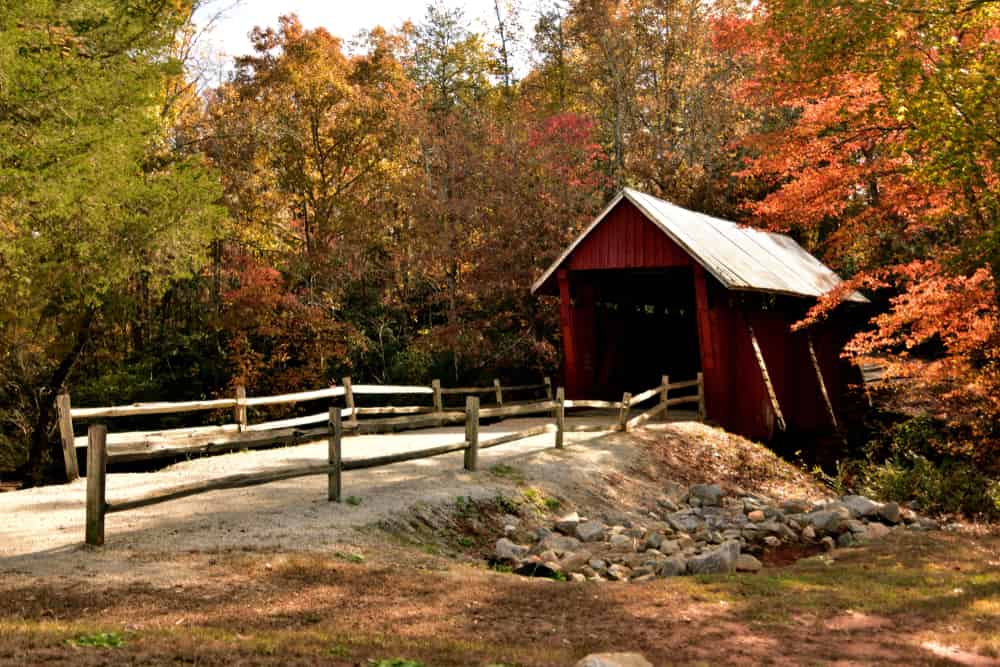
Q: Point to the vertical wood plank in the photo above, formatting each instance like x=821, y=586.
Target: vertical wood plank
x=701, y=396
x=438, y=398
x=560, y=416
x=822, y=383
x=499, y=392
x=240, y=411
x=66, y=436
x=623, y=412
x=570, y=362
x=352, y=416
x=664, y=395
x=97, y=461
x=548, y=388
x=334, y=455
x=471, y=432
x=766, y=377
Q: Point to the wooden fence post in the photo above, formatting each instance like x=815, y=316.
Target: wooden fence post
x=701, y=396
x=352, y=416
x=438, y=398
x=66, y=436
x=548, y=387
x=623, y=413
x=240, y=411
x=471, y=432
x=664, y=395
x=560, y=416
x=97, y=460
x=334, y=455
x=499, y=391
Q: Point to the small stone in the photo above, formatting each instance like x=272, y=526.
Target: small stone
x=705, y=495
x=672, y=567
x=718, y=561
x=573, y=562
x=747, y=563
x=757, y=516
x=667, y=504
x=618, y=572
x=561, y=544
x=508, y=551
x=855, y=526
x=567, y=523
x=876, y=531
x=670, y=547
x=795, y=506
x=654, y=540
x=576, y=576
x=845, y=540
x=808, y=534
x=622, y=542
x=828, y=543
x=772, y=541
x=889, y=513
x=597, y=564
x=590, y=531
x=614, y=660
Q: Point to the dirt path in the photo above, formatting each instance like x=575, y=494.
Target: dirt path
x=41, y=529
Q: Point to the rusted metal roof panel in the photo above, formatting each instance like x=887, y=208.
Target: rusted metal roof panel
x=741, y=258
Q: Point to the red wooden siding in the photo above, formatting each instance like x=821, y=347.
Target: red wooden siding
x=735, y=394
x=626, y=239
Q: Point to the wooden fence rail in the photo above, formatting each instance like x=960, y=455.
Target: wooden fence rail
x=97, y=454
x=140, y=445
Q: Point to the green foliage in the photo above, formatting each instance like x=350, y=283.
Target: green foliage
x=950, y=486
x=100, y=640
x=353, y=501
x=350, y=557
x=396, y=662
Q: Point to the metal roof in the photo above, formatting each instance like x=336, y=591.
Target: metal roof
x=741, y=258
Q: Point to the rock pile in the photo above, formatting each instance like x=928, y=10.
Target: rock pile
x=695, y=532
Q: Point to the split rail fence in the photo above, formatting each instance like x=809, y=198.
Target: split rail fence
x=98, y=456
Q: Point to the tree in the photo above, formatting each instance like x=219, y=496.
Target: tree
x=883, y=155
x=92, y=197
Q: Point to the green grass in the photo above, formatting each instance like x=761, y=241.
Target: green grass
x=100, y=640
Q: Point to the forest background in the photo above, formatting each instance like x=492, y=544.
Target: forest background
x=378, y=208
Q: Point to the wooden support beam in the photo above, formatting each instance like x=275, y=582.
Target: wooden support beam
x=765, y=376
x=66, y=436
x=472, y=432
x=665, y=395
x=822, y=383
x=701, y=397
x=349, y=400
x=97, y=462
x=334, y=456
x=438, y=397
x=560, y=416
x=240, y=411
x=548, y=388
x=499, y=392
x=623, y=411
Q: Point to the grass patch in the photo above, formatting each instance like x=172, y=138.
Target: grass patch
x=100, y=640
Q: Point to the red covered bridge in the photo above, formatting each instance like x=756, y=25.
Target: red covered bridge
x=650, y=288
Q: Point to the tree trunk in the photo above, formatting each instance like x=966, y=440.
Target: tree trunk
x=43, y=449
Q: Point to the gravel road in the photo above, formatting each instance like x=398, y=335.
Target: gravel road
x=41, y=529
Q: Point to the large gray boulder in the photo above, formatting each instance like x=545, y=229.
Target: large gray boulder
x=614, y=660
x=721, y=560
x=860, y=507
x=889, y=513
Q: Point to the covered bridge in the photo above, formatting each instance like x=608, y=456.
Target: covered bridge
x=650, y=288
